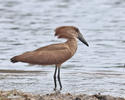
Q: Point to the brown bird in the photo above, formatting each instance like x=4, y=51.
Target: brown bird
x=55, y=54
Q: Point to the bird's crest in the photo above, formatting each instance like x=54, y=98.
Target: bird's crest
x=66, y=32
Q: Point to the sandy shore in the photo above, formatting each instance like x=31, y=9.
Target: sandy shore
x=18, y=95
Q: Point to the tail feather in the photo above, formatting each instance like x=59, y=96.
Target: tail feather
x=13, y=59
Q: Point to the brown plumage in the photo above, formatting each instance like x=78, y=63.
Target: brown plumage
x=55, y=53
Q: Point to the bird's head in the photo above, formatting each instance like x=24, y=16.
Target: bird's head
x=70, y=32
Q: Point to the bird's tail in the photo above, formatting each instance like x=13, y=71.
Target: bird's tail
x=14, y=59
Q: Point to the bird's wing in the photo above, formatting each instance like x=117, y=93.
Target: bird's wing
x=53, y=47
x=45, y=57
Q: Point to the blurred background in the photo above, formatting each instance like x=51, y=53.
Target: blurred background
x=27, y=25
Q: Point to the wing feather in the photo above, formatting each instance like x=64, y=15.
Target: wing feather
x=60, y=46
x=43, y=57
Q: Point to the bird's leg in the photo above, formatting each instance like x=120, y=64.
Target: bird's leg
x=59, y=78
x=55, y=77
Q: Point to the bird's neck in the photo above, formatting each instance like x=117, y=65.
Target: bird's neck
x=72, y=43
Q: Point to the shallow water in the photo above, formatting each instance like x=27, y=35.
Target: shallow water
x=27, y=25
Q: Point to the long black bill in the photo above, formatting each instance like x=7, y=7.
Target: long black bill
x=81, y=38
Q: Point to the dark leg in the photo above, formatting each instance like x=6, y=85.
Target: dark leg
x=55, y=77
x=59, y=78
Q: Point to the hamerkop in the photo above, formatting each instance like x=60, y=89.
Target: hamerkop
x=54, y=54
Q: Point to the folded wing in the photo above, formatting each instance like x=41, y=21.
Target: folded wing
x=44, y=57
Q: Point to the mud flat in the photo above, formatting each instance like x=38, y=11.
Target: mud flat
x=19, y=95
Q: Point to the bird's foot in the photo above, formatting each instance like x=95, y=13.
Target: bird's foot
x=60, y=88
x=57, y=90
x=54, y=89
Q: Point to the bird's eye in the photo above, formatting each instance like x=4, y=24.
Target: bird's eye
x=77, y=30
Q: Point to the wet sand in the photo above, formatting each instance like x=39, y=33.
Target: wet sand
x=19, y=95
